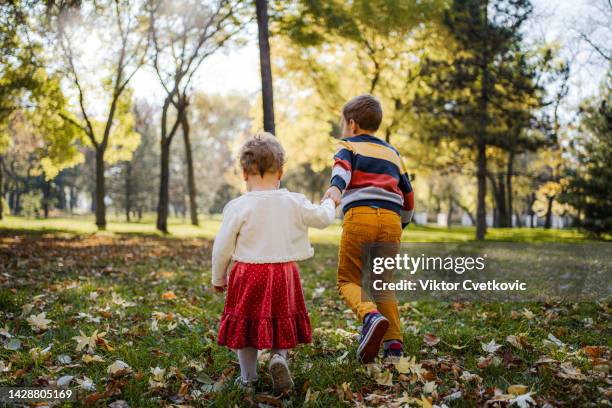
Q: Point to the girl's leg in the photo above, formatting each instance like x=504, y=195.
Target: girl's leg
x=247, y=357
x=279, y=370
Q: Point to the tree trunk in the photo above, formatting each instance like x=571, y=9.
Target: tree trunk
x=128, y=190
x=46, y=197
x=519, y=222
x=164, y=177
x=501, y=202
x=481, y=176
x=71, y=199
x=530, y=211
x=1, y=188
x=548, y=219
x=261, y=7
x=164, y=184
x=509, y=175
x=193, y=209
x=100, y=190
x=449, y=214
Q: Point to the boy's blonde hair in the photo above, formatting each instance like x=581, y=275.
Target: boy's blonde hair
x=262, y=154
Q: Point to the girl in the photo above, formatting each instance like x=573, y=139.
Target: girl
x=265, y=231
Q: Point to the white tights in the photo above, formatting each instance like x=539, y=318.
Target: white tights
x=247, y=357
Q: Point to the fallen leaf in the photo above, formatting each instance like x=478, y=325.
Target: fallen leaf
x=431, y=339
x=491, y=347
x=517, y=389
x=84, y=341
x=13, y=345
x=119, y=404
x=118, y=368
x=86, y=383
x=64, y=380
x=89, y=358
x=523, y=401
x=484, y=362
x=555, y=340
x=64, y=359
x=528, y=314
x=384, y=378
x=593, y=351
x=169, y=295
x=39, y=321
x=429, y=387
x=568, y=371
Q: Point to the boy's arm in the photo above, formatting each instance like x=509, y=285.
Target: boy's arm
x=341, y=172
x=224, y=246
x=408, y=207
x=318, y=216
x=343, y=167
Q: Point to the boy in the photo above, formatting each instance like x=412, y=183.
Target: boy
x=370, y=182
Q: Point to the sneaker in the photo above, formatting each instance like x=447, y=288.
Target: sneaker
x=374, y=328
x=247, y=387
x=393, y=350
x=281, y=376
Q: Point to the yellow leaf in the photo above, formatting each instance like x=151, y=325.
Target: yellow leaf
x=39, y=322
x=517, y=389
x=425, y=402
x=385, y=378
x=87, y=358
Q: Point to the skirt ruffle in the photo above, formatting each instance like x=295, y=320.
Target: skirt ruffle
x=264, y=308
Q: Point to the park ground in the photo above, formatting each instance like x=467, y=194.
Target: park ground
x=128, y=315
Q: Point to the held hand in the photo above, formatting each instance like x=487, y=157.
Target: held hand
x=219, y=289
x=334, y=193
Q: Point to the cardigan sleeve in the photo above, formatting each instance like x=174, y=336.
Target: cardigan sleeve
x=225, y=244
x=318, y=216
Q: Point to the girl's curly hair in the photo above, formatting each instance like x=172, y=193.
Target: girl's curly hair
x=262, y=154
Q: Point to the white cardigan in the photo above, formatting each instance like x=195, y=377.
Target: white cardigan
x=267, y=227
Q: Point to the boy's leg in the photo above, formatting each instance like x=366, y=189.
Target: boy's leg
x=391, y=233
x=357, y=230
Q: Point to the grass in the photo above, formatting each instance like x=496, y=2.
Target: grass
x=209, y=225
x=151, y=296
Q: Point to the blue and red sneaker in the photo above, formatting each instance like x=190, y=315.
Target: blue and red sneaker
x=374, y=328
x=393, y=350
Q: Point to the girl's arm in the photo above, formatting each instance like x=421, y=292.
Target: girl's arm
x=318, y=216
x=225, y=244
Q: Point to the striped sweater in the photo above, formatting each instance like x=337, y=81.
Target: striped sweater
x=370, y=172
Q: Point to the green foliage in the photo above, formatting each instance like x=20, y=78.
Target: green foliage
x=468, y=86
x=587, y=187
x=31, y=204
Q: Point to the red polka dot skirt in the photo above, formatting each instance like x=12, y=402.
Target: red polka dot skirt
x=264, y=307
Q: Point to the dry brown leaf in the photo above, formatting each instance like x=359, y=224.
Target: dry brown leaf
x=431, y=339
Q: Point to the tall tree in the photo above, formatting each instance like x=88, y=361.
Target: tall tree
x=31, y=106
x=119, y=27
x=587, y=185
x=183, y=35
x=267, y=93
x=465, y=88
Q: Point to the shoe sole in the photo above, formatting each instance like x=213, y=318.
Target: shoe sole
x=368, y=349
x=281, y=377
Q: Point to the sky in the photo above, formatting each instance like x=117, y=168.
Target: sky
x=236, y=70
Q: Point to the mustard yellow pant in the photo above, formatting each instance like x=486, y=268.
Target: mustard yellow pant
x=363, y=225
